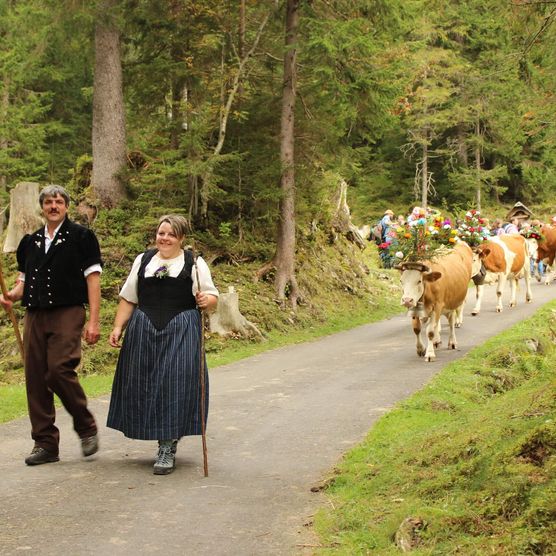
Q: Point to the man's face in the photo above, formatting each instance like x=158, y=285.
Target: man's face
x=54, y=210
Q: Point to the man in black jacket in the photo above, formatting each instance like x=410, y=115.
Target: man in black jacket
x=59, y=272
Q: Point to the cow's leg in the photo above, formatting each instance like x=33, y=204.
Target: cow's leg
x=452, y=319
x=513, y=291
x=499, y=289
x=459, y=315
x=437, y=340
x=548, y=275
x=479, y=290
x=416, y=321
x=528, y=293
x=432, y=327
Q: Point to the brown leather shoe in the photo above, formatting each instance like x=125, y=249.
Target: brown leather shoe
x=39, y=456
x=89, y=445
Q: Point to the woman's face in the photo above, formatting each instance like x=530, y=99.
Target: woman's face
x=167, y=242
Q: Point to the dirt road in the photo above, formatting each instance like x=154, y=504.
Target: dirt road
x=278, y=423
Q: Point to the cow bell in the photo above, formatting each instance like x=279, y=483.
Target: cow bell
x=418, y=311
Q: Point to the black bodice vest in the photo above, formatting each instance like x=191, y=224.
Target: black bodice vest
x=161, y=299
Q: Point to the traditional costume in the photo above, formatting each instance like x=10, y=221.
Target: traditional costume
x=54, y=294
x=156, y=393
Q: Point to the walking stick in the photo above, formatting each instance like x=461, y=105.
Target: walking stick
x=202, y=372
x=12, y=315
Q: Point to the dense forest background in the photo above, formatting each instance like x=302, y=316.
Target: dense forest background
x=452, y=99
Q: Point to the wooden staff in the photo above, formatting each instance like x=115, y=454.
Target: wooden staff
x=12, y=315
x=202, y=371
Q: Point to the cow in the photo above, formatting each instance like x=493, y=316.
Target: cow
x=439, y=287
x=503, y=258
x=546, y=251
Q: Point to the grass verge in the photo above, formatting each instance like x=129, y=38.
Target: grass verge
x=465, y=466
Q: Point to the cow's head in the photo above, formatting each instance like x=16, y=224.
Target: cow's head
x=414, y=276
x=476, y=262
x=482, y=251
x=532, y=247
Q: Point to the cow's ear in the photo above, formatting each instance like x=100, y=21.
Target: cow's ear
x=484, y=252
x=432, y=276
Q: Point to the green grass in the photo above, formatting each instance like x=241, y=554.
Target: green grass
x=471, y=459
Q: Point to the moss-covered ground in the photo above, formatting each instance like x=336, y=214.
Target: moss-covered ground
x=465, y=466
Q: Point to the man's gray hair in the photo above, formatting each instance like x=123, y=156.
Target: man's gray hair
x=53, y=191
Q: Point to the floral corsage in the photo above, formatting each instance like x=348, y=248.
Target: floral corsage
x=161, y=271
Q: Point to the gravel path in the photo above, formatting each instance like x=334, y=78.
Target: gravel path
x=278, y=424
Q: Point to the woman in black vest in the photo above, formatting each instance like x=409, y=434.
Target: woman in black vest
x=156, y=394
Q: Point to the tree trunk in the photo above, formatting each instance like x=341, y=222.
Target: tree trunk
x=285, y=247
x=109, y=136
x=4, y=106
x=478, y=163
x=241, y=49
x=462, y=147
x=425, y=174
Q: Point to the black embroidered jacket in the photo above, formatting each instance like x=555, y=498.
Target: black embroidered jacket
x=55, y=279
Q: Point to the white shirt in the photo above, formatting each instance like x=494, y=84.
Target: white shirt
x=175, y=266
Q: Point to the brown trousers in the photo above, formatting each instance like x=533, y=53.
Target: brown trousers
x=52, y=341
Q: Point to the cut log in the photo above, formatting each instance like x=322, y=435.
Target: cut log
x=227, y=319
x=25, y=214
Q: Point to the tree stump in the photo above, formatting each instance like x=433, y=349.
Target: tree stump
x=341, y=221
x=228, y=320
x=25, y=215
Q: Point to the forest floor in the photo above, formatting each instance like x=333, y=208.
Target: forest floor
x=279, y=422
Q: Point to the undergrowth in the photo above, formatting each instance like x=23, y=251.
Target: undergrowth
x=465, y=466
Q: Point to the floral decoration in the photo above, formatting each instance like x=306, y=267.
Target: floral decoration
x=161, y=271
x=473, y=229
x=532, y=232
x=424, y=238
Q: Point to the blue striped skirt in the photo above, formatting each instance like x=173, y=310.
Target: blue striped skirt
x=156, y=392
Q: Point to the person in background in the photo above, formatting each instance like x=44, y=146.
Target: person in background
x=386, y=222
x=416, y=214
x=59, y=272
x=386, y=237
x=497, y=227
x=156, y=393
x=537, y=267
x=512, y=227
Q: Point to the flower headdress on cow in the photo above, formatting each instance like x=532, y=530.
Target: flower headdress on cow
x=473, y=229
x=532, y=232
x=424, y=238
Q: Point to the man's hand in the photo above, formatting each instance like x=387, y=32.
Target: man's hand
x=6, y=303
x=91, y=332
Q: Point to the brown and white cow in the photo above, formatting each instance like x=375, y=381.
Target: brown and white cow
x=504, y=258
x=440, y=288
x=546, y=251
